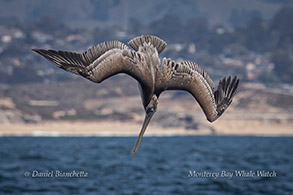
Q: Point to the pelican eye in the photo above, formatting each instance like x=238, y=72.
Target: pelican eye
x=150, y=110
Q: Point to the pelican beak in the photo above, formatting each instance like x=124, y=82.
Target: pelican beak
x=147, y=120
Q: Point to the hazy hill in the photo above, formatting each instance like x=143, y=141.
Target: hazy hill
x=93, y=12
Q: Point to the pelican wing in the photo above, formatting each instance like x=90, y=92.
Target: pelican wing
x=99, y=62
x=190, y=77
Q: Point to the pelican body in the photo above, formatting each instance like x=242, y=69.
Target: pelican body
x=153, y=76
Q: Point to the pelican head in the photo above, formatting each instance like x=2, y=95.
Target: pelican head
x=150, y=110
x=152, y=106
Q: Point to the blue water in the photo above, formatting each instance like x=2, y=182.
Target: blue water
x=161, y=166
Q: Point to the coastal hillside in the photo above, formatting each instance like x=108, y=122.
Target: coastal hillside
x=118, y=11
x=256, y=109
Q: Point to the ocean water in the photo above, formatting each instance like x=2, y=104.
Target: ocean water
x=163, y=165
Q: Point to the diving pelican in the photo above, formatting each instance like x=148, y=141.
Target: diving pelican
x=143, y=64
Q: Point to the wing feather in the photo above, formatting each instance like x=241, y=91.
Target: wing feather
x=158, y=43
x=99, y=62
x=190, y=77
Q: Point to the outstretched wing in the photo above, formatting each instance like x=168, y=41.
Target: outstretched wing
x=191, y=77
x=99, y=62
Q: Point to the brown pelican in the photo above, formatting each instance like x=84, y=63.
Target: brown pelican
x=143, y=64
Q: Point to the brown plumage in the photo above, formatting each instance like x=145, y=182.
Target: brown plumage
x=143, y=64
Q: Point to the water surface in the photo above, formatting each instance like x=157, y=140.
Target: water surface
x=162, y=165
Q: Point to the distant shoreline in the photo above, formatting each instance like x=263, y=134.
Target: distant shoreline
x=134, y=135
x=129, y=129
